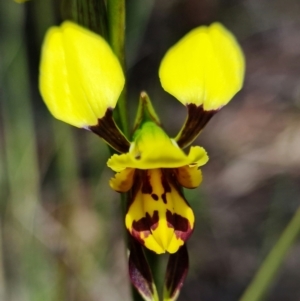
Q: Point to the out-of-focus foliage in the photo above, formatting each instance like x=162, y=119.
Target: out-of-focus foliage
x=61, y=226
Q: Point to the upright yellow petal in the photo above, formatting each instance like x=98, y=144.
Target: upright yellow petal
x=206, y=67
x=80, y=77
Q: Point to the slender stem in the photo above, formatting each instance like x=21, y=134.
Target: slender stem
x=116, y=33
x=116, y=30
x=269, y=268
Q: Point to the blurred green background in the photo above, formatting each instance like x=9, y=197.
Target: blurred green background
x=61, y=226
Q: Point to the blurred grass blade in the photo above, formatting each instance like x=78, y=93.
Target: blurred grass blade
x=2, y=272
x=67, y=162
x=68, y=195
x=20, y=155
x=89, y=13
x=137, y=17
x=140, y=273
x=17, y=116
x=269, y=268
x=177, y=269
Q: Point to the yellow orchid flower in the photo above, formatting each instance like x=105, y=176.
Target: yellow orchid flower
x=155, y=169
x=81, y=80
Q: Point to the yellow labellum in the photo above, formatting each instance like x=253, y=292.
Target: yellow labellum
x=80, y=77
x=159, y=217
x=206, y=67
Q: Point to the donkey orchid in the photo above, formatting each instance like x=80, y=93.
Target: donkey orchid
x=81, y=80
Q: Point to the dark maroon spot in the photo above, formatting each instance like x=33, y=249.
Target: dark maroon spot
x=170, y=219
x=164, y=198
x=166, y=187
x=144, y=225
x=136, y=187
x=180, y=224
x=153, y=221
x=141, y=225
x=146, y=185
x=165, y=184
x=171, y=178
x=154, y=196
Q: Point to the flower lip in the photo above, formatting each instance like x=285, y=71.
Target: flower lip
x=152, y=148
x=158, y=215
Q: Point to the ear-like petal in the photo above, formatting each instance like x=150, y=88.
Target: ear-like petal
x=80, y=77
x=206, y=67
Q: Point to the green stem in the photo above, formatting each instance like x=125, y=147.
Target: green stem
x=116, y=30
x=269, y=268
x=116, y=34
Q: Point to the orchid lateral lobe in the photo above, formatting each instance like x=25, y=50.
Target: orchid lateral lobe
x=109, y=131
